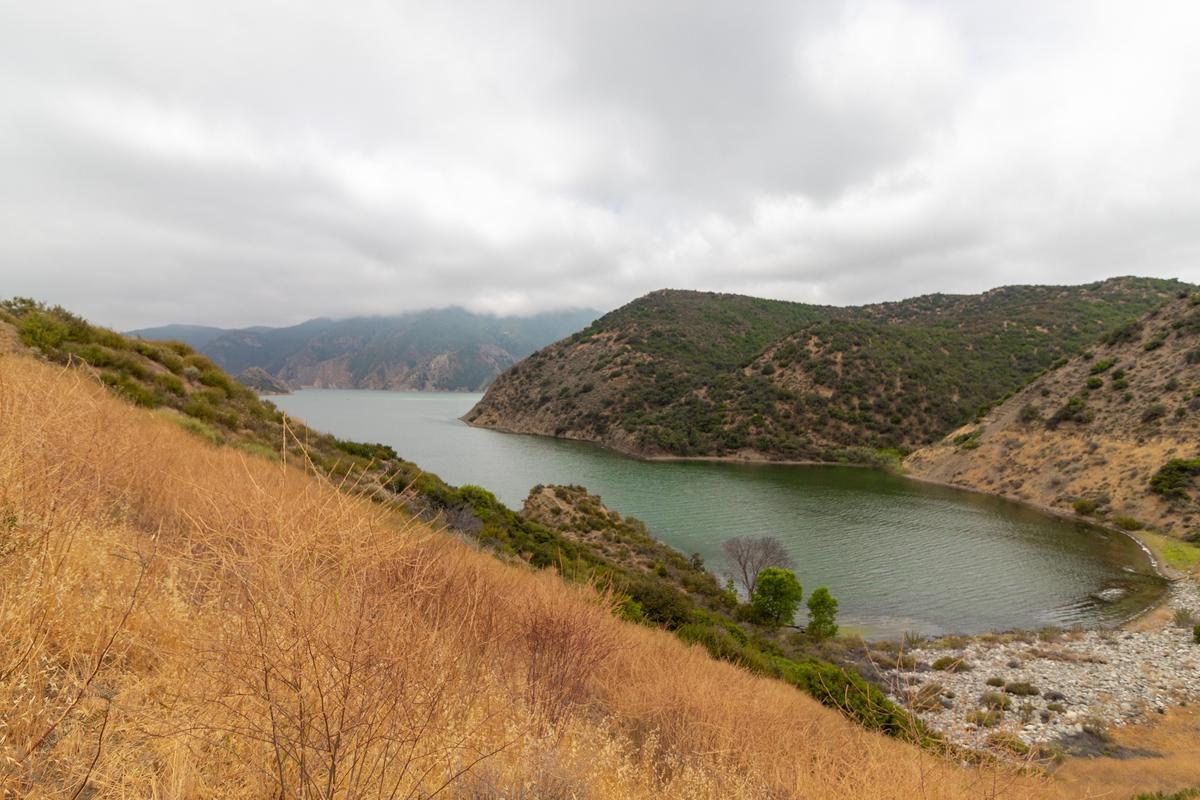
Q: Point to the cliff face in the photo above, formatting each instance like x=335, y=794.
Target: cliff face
x=697, y=374
x=1095, y=431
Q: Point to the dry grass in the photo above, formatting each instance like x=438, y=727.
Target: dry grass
x=181, y=620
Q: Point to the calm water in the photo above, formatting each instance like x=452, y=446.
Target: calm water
x=898, y=554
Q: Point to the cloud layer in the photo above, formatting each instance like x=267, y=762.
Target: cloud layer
x=264, y=162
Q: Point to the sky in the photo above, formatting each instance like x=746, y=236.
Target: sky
x=238, y=162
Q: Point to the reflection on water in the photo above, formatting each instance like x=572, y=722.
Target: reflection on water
x=899, y=555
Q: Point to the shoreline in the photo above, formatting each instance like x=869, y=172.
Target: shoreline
x=1161, y=570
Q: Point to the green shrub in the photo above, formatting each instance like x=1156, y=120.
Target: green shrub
x=1196, y=634
x=170, y=383
x=777, y=595
x=1029, y=413
x=1102, y=366
x=1154, y=413
x=1002, y=740
x=1085, y=506
x=193, y=425
x=1095, y=382
x=1172, y=479
x=994, y=701
x=1126, y=333
x=1020, y=689
x=995, y=681
x=1074, y=410
x=822, y=613
x=1127, y=523
x=985, y=719
x=951, y=664
x=1056, y=707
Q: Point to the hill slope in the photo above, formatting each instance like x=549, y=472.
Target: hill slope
x=213, y=624
x=1101, y=431
x=696, y=374
x=185, y=388
x=446, y=349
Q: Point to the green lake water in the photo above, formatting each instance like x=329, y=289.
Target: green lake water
x=898, y=554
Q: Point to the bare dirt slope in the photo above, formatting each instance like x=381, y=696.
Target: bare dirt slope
x=1089, y=436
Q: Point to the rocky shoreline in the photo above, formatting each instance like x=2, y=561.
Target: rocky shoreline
x=1050, y=689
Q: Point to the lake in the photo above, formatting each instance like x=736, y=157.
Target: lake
x=898, y=554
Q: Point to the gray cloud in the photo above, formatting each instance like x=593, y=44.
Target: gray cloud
x=260, y=162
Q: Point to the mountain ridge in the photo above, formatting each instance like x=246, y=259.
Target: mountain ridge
x=690, y=374
x=447, y=349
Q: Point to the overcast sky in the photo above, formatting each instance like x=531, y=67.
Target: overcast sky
x=236, y=162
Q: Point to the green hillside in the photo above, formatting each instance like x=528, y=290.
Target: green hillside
x=695, y=374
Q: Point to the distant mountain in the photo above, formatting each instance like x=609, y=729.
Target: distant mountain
x=678, y=373
x=195, y=335
x=1114, y=432
x=447, y=349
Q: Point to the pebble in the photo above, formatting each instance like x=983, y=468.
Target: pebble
x=1112, y=678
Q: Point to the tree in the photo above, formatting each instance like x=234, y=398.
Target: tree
x=748, y=556
x=822, y=611
x=777, y=596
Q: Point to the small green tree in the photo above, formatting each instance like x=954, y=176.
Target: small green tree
x=776, y=596
x=822, y=613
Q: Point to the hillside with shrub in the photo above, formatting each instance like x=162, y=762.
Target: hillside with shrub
x=652, y=583
x=447, y=349
x=1113, y=434
x=183, y=618
x=696, y=374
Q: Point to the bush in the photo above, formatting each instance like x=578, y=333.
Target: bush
x=1126, y=333
x=1127, y=523
x=1172, y=479
x=777, y=595
x=995, y=681
x=822, y=613
x=985, y=719
x=170, y=383
x=1154, y=413
x=1075, y=410
x=1196, y=634
x=1084, y=506
x=661, y=603
x=994, y=701
x=1102, y=366
x=951, y=664
x=1020, y=689
x=1029, y=413
x=1095, y=382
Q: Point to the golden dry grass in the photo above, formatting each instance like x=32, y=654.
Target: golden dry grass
x=179, y=620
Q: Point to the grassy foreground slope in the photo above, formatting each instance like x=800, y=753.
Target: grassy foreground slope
x=185, y=388
x=698, y=374
x=1114, y=433
x=184, y=620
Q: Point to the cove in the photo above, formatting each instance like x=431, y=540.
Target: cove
x=900, y=555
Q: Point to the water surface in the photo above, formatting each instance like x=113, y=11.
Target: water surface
x=898, y=554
